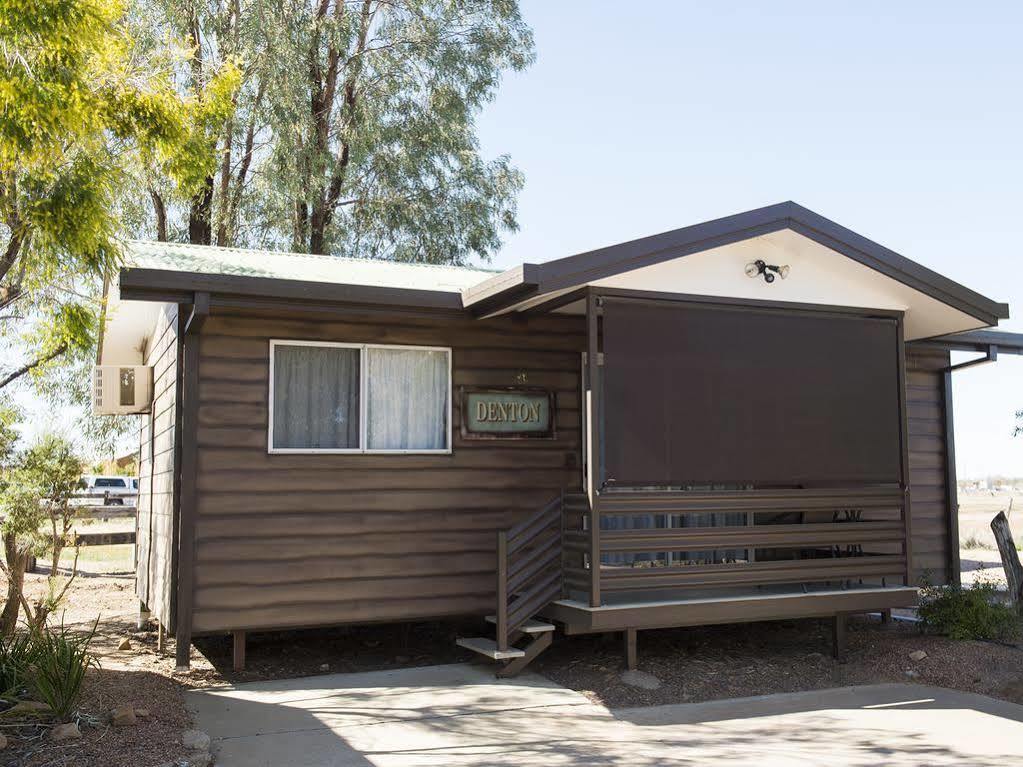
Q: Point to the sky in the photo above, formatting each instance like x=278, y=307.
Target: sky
x=902, y=121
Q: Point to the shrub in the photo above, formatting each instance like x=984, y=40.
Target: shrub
x=60, y=661
x=17, y=654
x=968, y=613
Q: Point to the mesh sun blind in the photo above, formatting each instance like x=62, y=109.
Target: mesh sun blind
x=704, y=394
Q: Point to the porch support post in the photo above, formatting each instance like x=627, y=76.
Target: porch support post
x=189, y=469
x=838, y=636
x=238, y=651
x=907, y=515
x=595, y=435
x=630, y=649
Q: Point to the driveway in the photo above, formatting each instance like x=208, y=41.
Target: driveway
x=461, y=716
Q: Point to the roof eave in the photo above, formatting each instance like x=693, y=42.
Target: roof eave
x=181, y=287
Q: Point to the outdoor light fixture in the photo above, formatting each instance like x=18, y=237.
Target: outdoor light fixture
x=758, y=267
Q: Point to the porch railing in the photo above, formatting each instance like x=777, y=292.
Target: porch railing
x=797, y=536
x=528, y=569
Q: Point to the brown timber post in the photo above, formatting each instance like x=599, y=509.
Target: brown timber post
x=502, y=590
x=595, y=436
x=238, y=651
x=630, y=649
x=907, y=512
x=838, y=636
x=189, y=469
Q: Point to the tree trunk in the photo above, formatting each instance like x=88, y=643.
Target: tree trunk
x=1010, y=558
x=200, y=215
x=161, y=215
x=16, y=561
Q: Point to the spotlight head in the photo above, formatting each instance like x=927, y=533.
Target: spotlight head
x=783, y=271
x=752, y=270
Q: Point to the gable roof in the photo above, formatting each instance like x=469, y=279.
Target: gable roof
x=552, y=277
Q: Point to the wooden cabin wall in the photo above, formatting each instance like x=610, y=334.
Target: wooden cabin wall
x=300, y=540
x=155, y=540
x=928, y=442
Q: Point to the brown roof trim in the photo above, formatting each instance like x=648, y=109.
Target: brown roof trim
x=180, y=287
x=616, y=259
x=976, y=341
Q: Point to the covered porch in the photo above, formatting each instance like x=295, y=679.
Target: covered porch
x=745, y=428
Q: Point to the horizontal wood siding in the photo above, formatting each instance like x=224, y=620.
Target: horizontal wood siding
x=155, y=532
x=925, y=405
x=300, y=540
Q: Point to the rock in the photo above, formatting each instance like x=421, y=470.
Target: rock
x=122, y=716
x=401, y=659
x=142, y=712
x=640, y=679
x=203, y=759
x=814, y=657
x=912, y=674
x=67, y=731
x=197, y=740
x=124, y=644
x=324, y=667
x=3, y=742
x=28, y=708
x=917, y=655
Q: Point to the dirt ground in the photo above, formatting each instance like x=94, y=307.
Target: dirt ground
x=692, y=665
x=715, y=662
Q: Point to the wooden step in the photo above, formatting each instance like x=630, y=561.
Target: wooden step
x=488, y=647
x=532, y=626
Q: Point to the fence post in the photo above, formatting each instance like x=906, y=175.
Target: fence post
x=502, y=590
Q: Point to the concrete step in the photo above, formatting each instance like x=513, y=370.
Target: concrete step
x=532, y=626
x=488, y=647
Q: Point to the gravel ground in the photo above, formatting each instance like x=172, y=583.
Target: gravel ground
x=691, y=665
x=714, y=662
x=140, y=677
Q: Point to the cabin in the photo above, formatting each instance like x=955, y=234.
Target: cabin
x=743, y=420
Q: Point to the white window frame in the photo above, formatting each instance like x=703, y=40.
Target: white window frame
x=363, y=401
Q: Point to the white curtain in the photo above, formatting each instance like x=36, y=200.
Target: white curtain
x=316, y=397
x=408, y=399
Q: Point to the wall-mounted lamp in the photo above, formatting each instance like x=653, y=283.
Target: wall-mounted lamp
x=758, y=267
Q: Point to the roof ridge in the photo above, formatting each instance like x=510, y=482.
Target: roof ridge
x=293, y=254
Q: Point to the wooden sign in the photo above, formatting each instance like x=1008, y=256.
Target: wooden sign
x=510, y=413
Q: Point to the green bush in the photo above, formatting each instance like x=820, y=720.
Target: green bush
x=60, y=661
x=17, y=654
x=975, y=612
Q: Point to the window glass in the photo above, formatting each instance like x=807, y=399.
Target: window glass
x=407, y=399
x=316, y=397
x=107, y=482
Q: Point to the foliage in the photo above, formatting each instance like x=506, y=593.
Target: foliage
x=17, y=654
x=38, y=489
x=355, y=127
x=78, y=105
x=974, y=612
x=60, y=659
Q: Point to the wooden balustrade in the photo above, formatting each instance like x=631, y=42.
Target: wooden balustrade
x=836, y=535
x=529, y=573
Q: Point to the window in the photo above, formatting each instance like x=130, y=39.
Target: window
x=359, y=398
x=108, y=482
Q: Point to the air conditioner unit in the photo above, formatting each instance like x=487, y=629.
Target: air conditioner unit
x=121, y=389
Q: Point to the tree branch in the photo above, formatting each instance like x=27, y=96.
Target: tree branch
x=61, y=348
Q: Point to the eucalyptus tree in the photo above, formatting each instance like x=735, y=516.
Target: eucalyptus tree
x=354, y=130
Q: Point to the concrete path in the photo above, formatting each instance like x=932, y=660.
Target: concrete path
x=461, y=716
